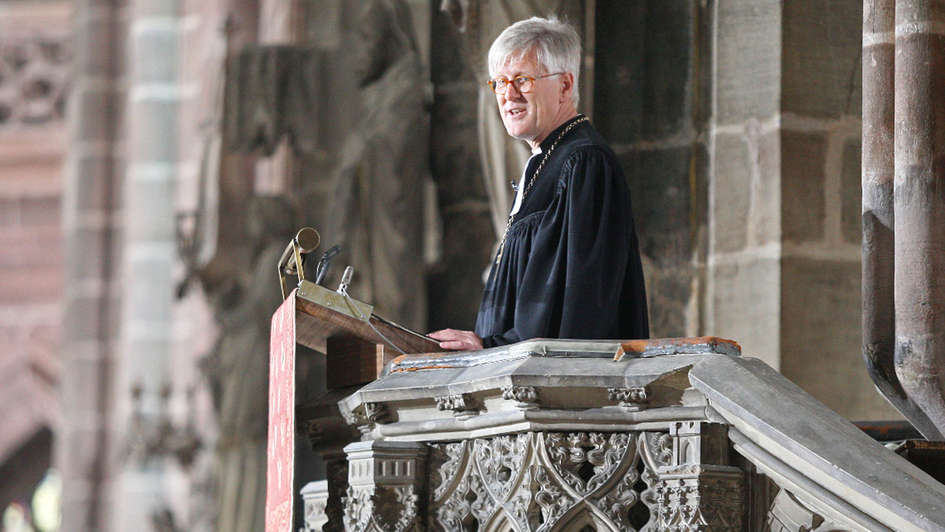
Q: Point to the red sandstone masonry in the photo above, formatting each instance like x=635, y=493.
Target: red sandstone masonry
x=31, y=274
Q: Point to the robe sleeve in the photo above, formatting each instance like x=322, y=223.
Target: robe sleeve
x=573, y=283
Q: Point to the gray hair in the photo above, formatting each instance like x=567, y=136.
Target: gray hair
x=556, y=45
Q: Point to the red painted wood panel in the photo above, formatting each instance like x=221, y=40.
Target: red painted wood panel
x=281, y=446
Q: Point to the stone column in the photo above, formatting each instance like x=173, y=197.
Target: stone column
x=879, y=327
x=315, y=496
x=92, y=237
x=323, y=500
x=920, y=204
x=385, y=485
x=697, y=487
x=149, y=256
x=784, y=194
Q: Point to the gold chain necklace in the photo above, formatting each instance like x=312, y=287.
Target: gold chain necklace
x=531, y=182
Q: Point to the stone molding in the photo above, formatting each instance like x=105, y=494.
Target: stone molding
x=385, y=485
x=788, y=514
x=535, y=385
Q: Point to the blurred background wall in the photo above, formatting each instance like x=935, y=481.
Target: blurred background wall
x=153, y=153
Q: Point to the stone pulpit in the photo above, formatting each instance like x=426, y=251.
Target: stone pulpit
x=544, y=435
x=581, y=435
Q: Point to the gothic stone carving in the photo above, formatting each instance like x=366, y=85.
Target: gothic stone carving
x=34, y=78
x=366, y=416
x=630, y=399
x=385, y=510
x=577, y=455
x=545, y=481
x=376, y=412
x=525, y=397
x=699, y=503
x=462, y=404
x=385, y=481
x=697, y=489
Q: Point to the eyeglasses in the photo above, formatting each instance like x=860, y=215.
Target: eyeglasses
x=523, y=84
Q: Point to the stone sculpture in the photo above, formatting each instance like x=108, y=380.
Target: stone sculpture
x=238, y=366
x=377, y=209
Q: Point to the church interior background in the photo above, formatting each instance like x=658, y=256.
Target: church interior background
x=156, y=155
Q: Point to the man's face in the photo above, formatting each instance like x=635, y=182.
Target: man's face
x=533, y=115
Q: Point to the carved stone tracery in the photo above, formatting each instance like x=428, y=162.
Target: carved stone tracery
x=577, y=455
x=535, y=480
x=615, y=481
x=34, y=78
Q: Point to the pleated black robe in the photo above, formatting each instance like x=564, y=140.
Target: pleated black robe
x=570, y=267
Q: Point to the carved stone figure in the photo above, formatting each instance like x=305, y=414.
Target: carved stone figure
x=377, y=208
x=238, y=366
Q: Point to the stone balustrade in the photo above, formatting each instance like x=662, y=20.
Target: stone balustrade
x=549, y=435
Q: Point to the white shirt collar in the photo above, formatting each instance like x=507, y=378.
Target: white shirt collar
x=517, y=204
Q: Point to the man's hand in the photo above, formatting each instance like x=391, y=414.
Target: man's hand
x=457, y=340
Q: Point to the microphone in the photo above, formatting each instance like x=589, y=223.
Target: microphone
x=323, y=264
x=306, y=241
x=290, y=263
x=345, y=281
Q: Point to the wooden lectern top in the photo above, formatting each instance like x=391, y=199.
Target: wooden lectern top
x=322, y=314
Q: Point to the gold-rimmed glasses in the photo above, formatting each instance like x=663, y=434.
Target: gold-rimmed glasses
x=523, y=84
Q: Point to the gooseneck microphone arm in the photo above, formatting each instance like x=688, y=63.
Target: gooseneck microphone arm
x=325, y=262
x=290, y=263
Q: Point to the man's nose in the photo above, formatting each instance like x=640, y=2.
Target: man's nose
x=512, y=92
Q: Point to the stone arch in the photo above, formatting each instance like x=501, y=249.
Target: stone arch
x=500, y=522
x=582, y=518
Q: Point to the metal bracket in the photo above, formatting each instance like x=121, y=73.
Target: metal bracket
x=348, y=306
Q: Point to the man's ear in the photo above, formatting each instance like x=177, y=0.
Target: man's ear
x=567, y=86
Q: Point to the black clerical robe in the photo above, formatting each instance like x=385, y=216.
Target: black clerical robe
x=570, y=267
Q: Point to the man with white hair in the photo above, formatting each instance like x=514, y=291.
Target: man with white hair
x=568, y=264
